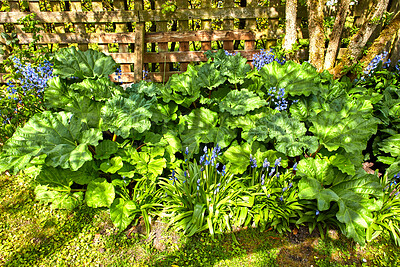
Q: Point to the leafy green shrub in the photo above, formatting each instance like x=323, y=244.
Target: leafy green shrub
x=108, y=147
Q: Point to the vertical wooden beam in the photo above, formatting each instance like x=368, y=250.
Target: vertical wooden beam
x=228, y=25
x=273, y=23
x=56, y=7
x=183, y=26
x=251, y=24
x=97, y=5
x=120, y=28
x=14, y=7
x=162, y=47
x=206, y=25
x=80, y=28
x=139, y=43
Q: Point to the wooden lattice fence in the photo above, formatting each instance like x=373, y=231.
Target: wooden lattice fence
x=141, y=36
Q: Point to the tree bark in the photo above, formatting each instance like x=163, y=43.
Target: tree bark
x=360, y=39
x=334, y=38
x=291, y=32
x=316, y=32
x=389, y=33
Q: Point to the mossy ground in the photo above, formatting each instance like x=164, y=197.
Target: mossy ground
x=32, y=234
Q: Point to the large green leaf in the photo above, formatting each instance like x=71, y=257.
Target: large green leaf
x=200, y=126
x=241, y=102
x=99, y=193
x=310, y=188
x=391, y=145
x=289, y=133
x=112, y=165
x=100, y=89
x=58, y=95
x=235, y=68
x=58, y=200
x=237, y=157
x=148, y=164
x=105, y=149
x=318, y=169
x=121, y=115
x=70, y=62
x=295, y=78
x=183, y=88
x=349, y=126
x=209, y=76
x=58, y=135
x=121, y=212
x=343, y=163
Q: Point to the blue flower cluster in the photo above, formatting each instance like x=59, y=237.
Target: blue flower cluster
x=230, y=54
x=398, y=66
x=32, y=78
x=208, y=159
x=375, y=62
x=118, y=73
x=264, y=58
x=277, y=97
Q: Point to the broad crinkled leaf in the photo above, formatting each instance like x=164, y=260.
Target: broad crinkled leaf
x=235, y=68
x=58, y=135
x=350, y=128
x=105, y=149
x=237, y=157
x=165, y=112
x=288, y=132
x=58, y=200
x=310, y=188
x=183, y=88
x=121, y=115
x=149, y=165
x=122, y=211
x=391, y=145
x=241, y=102
x=70, y=62
x=149, y=89
x=99, y=193
x=318, y=169
x=200, y=126
x=112, y=165
x=343, y=163
x=209, y=76
x=295, y=78
x=58, y=96
x=100, y=89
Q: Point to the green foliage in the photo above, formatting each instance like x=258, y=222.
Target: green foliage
x=108, y=147
x=241, y=102
x=70, y=62
x=322, y=182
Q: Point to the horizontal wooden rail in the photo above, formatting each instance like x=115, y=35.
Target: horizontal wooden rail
x=157, y=37
x=150, y=15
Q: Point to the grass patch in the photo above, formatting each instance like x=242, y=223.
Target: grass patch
x=32, y=234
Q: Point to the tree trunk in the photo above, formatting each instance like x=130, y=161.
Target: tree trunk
x=316, y=32
x=334, y=38
x=291, y=32
x=388, y=34
x=360, y=39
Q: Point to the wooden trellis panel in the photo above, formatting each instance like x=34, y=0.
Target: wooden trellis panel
x=130, y=38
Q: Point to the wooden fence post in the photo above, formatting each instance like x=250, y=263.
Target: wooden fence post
x=97, y=5
x=14, y=7
x=120, y=28
x=162, y=47
x=139, y=43
x=205, y=25
x=80, y=28
x=183, y=26
x=228, y=25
